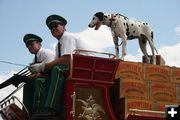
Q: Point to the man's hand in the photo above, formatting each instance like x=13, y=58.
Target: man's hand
x=38, y=67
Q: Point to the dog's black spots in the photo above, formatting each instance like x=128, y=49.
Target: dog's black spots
x=127, y=25
x=124, y=24
x=144, y=23
x=127, y=29
x=127, y=32
x=134, y=31
x=143, y=38
x=139, y=26
x=105, y=17
x=132, y=36
x=152, y=35
x=144, y=41
x=125, y=18
x=132, y=24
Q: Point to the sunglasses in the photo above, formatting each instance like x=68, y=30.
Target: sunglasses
x=54, y=25
x=30, y=43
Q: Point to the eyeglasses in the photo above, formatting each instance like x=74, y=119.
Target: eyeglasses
x=53, y=26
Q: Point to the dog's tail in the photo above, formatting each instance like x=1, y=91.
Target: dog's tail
x=155, y=49
x=152, y=43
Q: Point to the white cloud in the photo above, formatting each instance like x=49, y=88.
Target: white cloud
x=177, y=30
x=97, y=39
x=134, y=58
x=171, y=54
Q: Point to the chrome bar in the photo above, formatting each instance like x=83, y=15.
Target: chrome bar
x=77, y=51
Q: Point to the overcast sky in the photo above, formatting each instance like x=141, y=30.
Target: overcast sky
x=19, y=17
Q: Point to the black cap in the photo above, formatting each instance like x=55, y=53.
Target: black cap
x=31, y=37
x=55, y=19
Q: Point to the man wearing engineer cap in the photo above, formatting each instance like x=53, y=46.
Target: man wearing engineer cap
x=67, y=43
x=33, y=93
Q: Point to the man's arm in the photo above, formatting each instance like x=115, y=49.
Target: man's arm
x=65, y=59
x=40, y=67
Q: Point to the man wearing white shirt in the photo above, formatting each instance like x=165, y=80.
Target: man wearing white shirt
x=44, y=55
x=67, y=44
x=70, y=42
x=33, y=92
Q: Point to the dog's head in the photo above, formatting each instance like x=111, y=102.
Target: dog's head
x=97, y=20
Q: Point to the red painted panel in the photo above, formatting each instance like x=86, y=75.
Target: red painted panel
x=94, y=68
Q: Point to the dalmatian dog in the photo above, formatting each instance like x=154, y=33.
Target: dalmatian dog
x=127, y=29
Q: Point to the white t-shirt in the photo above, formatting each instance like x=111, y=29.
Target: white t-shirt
x=70, y=42
x=44, y=55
